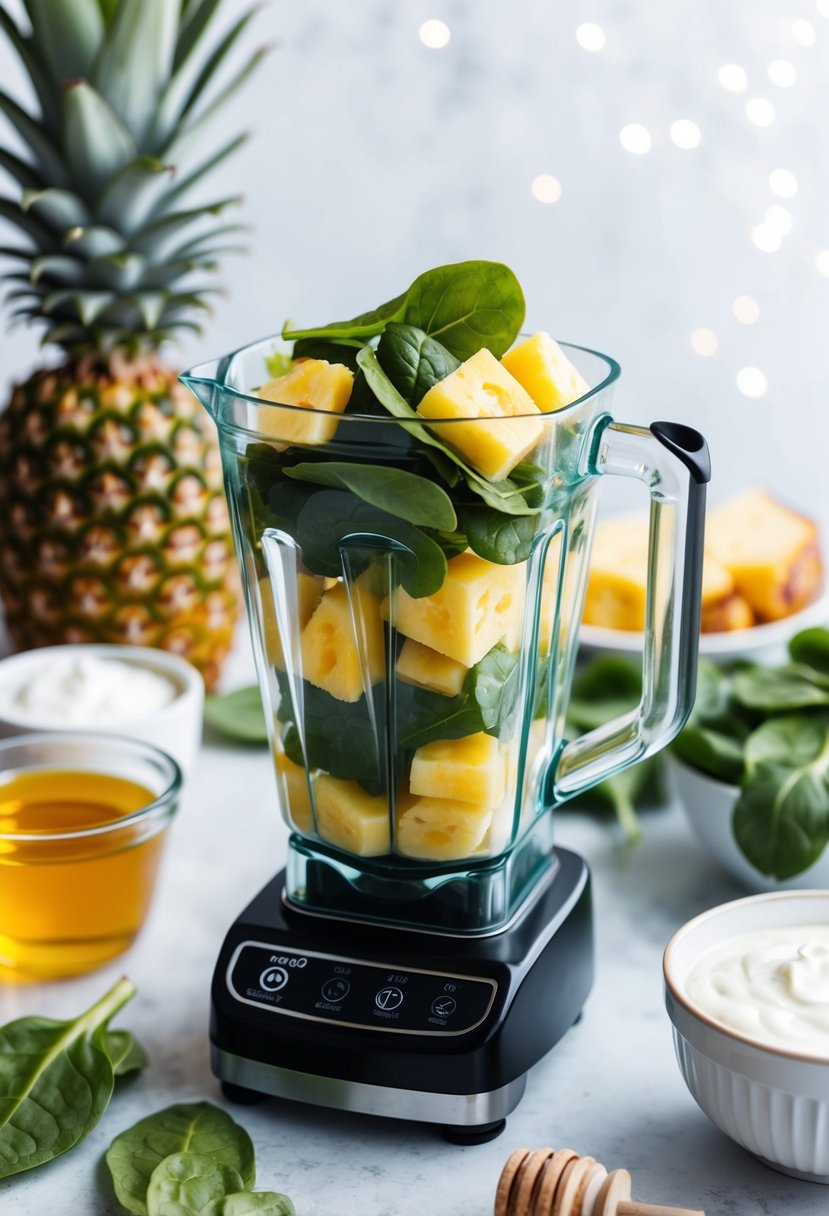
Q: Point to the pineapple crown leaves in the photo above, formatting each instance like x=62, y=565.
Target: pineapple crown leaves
x=123, y=91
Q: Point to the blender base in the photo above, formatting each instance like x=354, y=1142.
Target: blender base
x=410, y=1024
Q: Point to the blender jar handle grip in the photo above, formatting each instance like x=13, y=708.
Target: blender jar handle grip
x=673, y=462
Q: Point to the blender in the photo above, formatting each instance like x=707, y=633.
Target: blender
x=427, y=942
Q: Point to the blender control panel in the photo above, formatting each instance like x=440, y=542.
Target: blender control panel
x=358, y=994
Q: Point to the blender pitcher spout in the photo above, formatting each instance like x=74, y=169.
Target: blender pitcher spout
x=203, y=382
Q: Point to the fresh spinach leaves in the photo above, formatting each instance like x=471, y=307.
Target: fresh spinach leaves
x=56, y=1080
x=190, y=1159
x=781, y=820
x=767, y=730
x=485, y=703
x=466, y=306
x=396, y=491
x=413, y=361
x=238, y=714
x=505, y=539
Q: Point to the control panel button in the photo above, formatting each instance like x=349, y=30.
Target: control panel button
x=273, y=979
x=335, y=990
x=443, y=1006
x=388, y=999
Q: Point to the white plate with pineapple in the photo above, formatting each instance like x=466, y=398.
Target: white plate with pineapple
x=763, y=581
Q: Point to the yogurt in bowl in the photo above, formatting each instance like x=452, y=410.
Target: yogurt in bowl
x=747, y=992
x=134, y=691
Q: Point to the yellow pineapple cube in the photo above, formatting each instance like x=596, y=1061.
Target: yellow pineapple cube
x=335, y=657
x=309, y=589
x=313, y=385
x=770, y=551
x=504, y=424
x=471, y=769
x=350, y=818
x=426, y=668
x=474, y=609
x=293, y=783
x=541, y=366
x=438, y=829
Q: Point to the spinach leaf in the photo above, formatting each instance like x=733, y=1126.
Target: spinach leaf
x=238, y=714
x=413, y=361
x=251, y=1203
x=714, y=738
x=468, y=305
x=333, y=352
x=194, y=1128
x=810, y=648
x=327, y=523
x=505, y=539
x=366, y=325
x=188, y=1183
x=403, y=494
x=779, y=689
x=56, y=1080
x=781, y=820
x=641, y=785
x=485, y=703
x=340, y=736
x=504, y=496
x=125, y=1053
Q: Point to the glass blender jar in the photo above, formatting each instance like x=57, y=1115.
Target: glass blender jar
x=416, y=693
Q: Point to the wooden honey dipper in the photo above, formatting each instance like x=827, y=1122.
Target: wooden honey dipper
x=558, y=1182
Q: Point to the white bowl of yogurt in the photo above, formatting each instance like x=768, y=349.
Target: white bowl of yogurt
x=133, y=691
x=747, y=991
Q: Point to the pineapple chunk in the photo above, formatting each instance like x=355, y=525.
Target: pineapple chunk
x=350, y=818
x=542, y=367
x=727, y=614
x=505, y=424
x=309, y=589
x=425, y=668
x=471, y=769
x=770, y=551
x=293, y=783
x=470, y=614
x=438, y=829
x=331, y=657
x=618, y=579
x=311, y=384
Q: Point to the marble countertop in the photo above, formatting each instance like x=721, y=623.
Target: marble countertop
x=611, y=1088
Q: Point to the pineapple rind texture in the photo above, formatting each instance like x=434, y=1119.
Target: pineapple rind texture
x=113, y=521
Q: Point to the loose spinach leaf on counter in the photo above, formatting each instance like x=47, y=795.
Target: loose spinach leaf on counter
x=238, y=714
x=251, y=1203
x=56, y=1080
x=406, y=495
x=781, y=820
x=328, y=523
x=188, y=1184
x=125, y=1053
x=465, y=305
x=413, y=361
x=196, y=1128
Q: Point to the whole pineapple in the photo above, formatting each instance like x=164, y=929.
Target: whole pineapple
x=113, y=522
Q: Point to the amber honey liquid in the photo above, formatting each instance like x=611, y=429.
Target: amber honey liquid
x=68, y=904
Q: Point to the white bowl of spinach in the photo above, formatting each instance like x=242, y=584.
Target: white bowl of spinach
x=752, y=766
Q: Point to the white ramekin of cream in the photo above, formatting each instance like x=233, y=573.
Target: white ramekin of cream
x=747, y=991
x=133, y=691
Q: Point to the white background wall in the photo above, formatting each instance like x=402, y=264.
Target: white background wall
x=374, y=157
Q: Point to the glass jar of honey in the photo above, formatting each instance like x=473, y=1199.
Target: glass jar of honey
x=83, y=820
